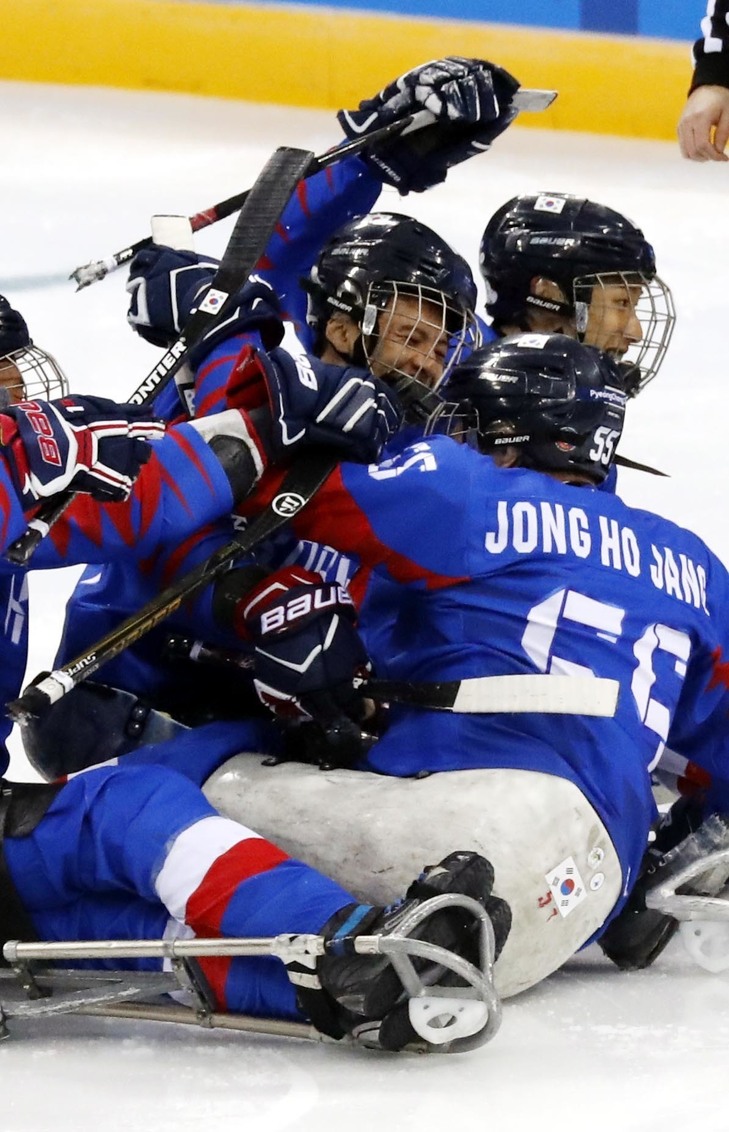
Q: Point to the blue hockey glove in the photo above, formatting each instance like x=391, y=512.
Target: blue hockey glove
x=308, y=655
x=471, y=102
x=88, y=444
x=165, y=285
x=312, y=403
x=254, y=309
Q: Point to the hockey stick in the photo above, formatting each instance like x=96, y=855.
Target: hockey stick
x=253, y=228
x=531, y=692
x=550, y=695
x=88, y=273
x=302, y=481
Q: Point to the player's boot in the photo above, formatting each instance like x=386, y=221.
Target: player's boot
x=638, y=935
x=364, y=996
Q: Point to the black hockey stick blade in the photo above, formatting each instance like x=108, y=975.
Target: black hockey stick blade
x=299, y=486
x=253, y=229
x=626, y=462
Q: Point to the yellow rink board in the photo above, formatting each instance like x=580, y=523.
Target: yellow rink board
x=329, y=58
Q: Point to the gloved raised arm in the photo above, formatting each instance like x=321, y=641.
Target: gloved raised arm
x=471, y=101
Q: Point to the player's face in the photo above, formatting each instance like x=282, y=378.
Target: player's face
x=612, y=322
x=11, y=380
x=411, y=339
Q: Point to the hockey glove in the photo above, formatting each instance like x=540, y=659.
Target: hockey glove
x=87, y=444
x=307, y=656
x=165, y=286
x=471, y=102
x=254, y=309
x=313, y=403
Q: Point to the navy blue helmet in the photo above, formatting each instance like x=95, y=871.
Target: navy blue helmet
x=561, y=403
x=578, y=244
x=375, y=260
x=26, y=371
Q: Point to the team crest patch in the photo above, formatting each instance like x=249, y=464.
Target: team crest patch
x=566, y=886
x=549, y=204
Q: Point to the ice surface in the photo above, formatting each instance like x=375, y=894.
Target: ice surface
x=82, y=172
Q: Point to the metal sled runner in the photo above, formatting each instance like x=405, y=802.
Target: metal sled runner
x=446, y=1018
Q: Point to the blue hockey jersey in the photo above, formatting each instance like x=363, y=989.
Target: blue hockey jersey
x=476, y=570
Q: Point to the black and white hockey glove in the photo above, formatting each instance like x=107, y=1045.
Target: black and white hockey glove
x=307, y=656
x=87, y=444
x=316, y=404
x=165, y=285
x=471, y=102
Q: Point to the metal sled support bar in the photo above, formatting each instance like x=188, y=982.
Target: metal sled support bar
x=184, y=1015
x=283, y=946
x=444, y=1016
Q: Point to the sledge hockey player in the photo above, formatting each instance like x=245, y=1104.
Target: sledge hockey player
x=26, y=372
x=138, y=853
x=471, y=101
x=49, y=441
x=198, y=473
x=510, y=563
x=560, y=264
x=385, y=267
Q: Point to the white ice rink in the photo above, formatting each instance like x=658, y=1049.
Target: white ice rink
x=82, y=172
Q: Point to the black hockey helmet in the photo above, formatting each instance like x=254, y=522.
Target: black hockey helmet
x=578, y=244
x=26, y=371
x=561, y=403
x=379, y=257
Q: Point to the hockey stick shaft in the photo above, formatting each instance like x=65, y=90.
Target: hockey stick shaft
x=255, y=224
x=88, y=273
x=566, y=695
x=551, y=695
x=301, y=483
x=91, y=272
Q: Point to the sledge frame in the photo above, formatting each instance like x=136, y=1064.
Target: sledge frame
x=32, y=988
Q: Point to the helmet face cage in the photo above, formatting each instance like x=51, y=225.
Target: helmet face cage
x=577, y=244
x=561, y=404
x=651, y=303
x=31, y=372
x=410, y=293
x=417, y=331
